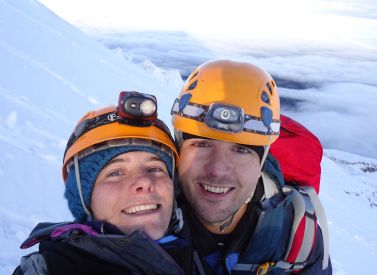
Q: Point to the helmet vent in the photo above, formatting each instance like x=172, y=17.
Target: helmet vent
x=193, y=75
x=269, y=87
x=265, y=98
x=192, y=85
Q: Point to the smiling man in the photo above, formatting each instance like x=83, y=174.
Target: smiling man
x=220, y=188
x=225, y=119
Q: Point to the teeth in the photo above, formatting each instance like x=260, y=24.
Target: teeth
x=139, y=208
x=217, y=190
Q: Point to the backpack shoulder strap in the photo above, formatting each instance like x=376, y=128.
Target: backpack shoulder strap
x=320, y=213
x=303, y=228
x=307, y=208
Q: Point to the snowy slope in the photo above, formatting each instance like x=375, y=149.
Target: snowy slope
x=51, y=74
x=349, y=194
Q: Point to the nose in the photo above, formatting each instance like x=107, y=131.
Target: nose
x=217, y=164
x=142, y=184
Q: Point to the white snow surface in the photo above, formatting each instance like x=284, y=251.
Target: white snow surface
x=51, y=74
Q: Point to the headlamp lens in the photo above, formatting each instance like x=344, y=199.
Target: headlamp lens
x=148, y=107
x=225, y=115
x=225, y=118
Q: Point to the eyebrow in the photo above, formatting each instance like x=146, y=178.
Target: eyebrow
x=119, y=160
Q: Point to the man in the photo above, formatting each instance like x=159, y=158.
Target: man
x=225, y=119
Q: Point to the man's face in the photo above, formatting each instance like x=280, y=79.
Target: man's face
x=134, y=191
x=217, y=177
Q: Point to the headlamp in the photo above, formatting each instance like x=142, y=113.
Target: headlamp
x=134, y=108
x=225, y=117
x=134, y=105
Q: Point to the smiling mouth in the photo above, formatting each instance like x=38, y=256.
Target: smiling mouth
x=216, y=189
x=141, y=209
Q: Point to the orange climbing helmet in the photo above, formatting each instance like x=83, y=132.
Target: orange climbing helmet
x=120, y=125
x=230, y=101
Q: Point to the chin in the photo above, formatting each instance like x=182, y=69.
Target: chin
x=155, y=232
x=155, y=235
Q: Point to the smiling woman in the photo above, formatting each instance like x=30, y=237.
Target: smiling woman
x=118, y=169
x=134, y=192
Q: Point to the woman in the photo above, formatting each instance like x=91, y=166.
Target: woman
x=118, y=170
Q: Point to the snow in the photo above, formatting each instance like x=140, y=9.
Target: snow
x=170, y=77
x=349, y=194
x=51, y=73
x=11, y=120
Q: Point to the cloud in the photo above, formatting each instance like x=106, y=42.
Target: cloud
x=342, y=115
x=322, y=54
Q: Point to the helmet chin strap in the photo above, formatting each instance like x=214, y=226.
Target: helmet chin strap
x=176, y=221
x=173, y=166
x=229, y=220
x=265, y=154
x=78, y=181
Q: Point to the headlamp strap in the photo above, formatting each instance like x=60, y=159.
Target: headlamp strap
x=89, y=124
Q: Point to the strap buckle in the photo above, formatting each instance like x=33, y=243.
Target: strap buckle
x=264, y=268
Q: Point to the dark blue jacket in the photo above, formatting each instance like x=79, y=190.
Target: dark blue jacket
x=69, y=248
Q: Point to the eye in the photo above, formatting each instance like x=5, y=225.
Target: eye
x=200, y=143
x=243, y=150
x=154, y=169
x=157, y=169
x=115, y=173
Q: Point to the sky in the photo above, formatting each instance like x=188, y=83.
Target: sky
x=323, y=54
x=219, y=17
x=337, y=21
x=47, y=85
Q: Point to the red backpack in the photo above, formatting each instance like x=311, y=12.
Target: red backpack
x=299, y=153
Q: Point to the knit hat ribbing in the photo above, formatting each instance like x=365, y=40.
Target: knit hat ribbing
x=90, y=167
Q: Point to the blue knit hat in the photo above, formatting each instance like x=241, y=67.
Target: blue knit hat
x=90, y=167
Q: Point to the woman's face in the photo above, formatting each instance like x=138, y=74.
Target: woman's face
x=134, y=191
